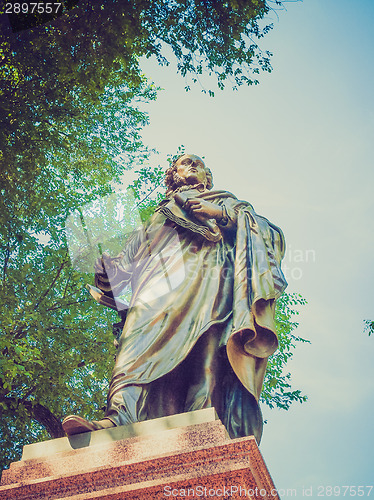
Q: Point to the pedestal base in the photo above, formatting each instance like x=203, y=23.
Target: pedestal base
x=187, y=455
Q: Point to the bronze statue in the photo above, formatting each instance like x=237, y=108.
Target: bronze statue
x=204, y=339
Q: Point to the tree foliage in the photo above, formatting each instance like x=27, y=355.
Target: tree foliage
x=69, y=127
x=97, y=37
x=369, y=326
x=61, y=147
x=66, y=87
x=54, y=79
x=277, y=390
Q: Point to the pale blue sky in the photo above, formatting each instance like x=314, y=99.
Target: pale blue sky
x=299, y=147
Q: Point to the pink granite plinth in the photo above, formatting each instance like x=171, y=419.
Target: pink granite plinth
x=193, y=461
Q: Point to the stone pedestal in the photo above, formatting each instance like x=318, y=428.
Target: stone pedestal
x=181, y=456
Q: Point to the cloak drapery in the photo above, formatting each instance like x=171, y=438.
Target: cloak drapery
x=184, y=283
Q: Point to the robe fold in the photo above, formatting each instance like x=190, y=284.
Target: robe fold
x=183, y=283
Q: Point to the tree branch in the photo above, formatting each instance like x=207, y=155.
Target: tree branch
x=67, y=282
x=7, y=255
x=66, y=305
x=53, y=282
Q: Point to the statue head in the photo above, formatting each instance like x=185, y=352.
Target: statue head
x=188, y=170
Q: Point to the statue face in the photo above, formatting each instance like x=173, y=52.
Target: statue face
x=192, y=169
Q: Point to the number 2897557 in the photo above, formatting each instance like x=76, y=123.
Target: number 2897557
x=33, y=8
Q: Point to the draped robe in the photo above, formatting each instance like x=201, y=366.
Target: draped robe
x=183, y=284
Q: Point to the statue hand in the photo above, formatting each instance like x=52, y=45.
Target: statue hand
x=105, y=273
x=203, y=209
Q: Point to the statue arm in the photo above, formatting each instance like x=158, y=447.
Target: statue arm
x=223, y=212
x=112, y=274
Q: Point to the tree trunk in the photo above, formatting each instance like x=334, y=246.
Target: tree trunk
x=45, y=418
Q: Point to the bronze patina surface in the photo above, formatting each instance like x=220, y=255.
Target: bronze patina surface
x=205, y=274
